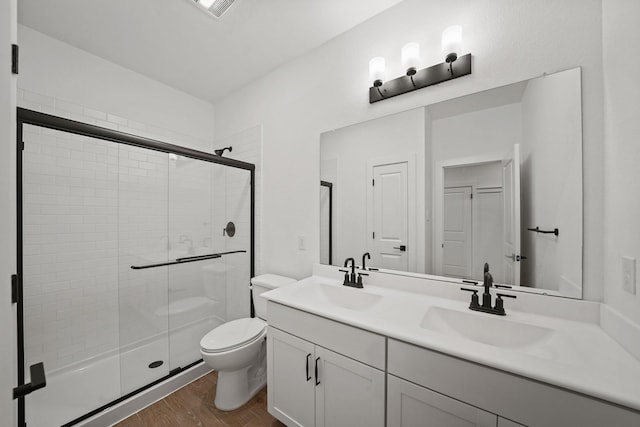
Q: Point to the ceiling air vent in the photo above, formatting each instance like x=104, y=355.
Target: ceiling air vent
x=216, y=8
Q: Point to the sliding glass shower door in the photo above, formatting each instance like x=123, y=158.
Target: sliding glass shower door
x=130, y=254
x=143, y=222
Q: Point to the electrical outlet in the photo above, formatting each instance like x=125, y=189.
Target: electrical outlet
x=302, y=244
x=629, y=274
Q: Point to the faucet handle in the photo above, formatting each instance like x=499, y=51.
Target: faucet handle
x=474, y=298
x=499, y=307
x=506, y=295
x=346, y=276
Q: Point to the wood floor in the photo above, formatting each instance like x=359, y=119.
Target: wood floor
x=193, y=405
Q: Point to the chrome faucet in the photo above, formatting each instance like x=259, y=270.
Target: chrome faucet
x=486, y=296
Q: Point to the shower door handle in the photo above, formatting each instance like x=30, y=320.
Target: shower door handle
x=38, y=381
x=187, y=259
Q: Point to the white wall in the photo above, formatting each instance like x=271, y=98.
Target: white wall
x=551, y=182
x=621, y=35
x=57, y=75
x=8, y=376
x=328, y=88
x=491, y=132
x=479, y=176
x=396, y=137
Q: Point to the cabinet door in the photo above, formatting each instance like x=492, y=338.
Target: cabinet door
x=410, y=405
x=290, y=378
x=348, y=393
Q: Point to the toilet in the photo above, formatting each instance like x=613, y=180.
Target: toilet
x=237, y=349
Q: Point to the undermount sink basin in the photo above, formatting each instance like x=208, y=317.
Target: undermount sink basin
x=345, y=297
x=483, y=328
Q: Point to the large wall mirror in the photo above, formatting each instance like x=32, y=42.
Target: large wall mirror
x=494, y=177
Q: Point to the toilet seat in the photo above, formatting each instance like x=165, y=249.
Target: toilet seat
x=232, y=335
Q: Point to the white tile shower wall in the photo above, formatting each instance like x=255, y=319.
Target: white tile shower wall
x=85, y=114
x=247, y=147
x=70, y=282
x=142, y=231
x=75, y=316
x=143, y=221
x=238, y=210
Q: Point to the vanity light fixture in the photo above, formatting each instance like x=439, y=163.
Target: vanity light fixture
x=416, y=78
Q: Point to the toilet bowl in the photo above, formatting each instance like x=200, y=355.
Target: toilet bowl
x=237, y=349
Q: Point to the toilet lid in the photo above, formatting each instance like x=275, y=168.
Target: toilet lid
x=232, y=334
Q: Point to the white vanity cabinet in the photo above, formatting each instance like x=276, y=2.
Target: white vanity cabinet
x=457, y=386
x=290, y=376
x=323, y=373
x=409, y=405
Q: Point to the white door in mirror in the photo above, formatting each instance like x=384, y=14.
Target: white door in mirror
x=456, y=254
x=390, y=216
x=511, y=216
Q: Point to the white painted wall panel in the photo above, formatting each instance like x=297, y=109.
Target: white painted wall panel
x=622, y=129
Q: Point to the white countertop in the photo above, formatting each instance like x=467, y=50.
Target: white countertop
x=578, y=356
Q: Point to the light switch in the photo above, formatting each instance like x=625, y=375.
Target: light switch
x=629, y=274
x=302, y=244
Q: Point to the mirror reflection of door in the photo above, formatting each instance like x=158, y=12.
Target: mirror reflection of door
x=511, y=180
x=487, y=218
x=472, y=224
x=390, y=216
x=457, y=257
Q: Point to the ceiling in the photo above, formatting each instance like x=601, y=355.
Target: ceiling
x=174, y=42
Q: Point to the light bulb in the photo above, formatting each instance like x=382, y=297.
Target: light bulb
x=411, y=58
x=452, y=42
x=377, y=71
x=205, y=3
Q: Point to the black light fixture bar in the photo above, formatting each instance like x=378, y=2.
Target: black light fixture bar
x=422, y=78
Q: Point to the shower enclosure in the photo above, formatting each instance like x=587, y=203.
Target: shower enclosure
x=124, y=261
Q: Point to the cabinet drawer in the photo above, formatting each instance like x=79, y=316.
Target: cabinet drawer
x=358, y=344
x=529, y=402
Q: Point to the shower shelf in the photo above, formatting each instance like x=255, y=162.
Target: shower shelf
x=185, y=260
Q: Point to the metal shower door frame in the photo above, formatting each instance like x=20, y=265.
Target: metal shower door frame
x=30, y=117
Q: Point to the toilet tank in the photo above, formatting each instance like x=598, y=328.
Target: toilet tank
x=264, y=283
